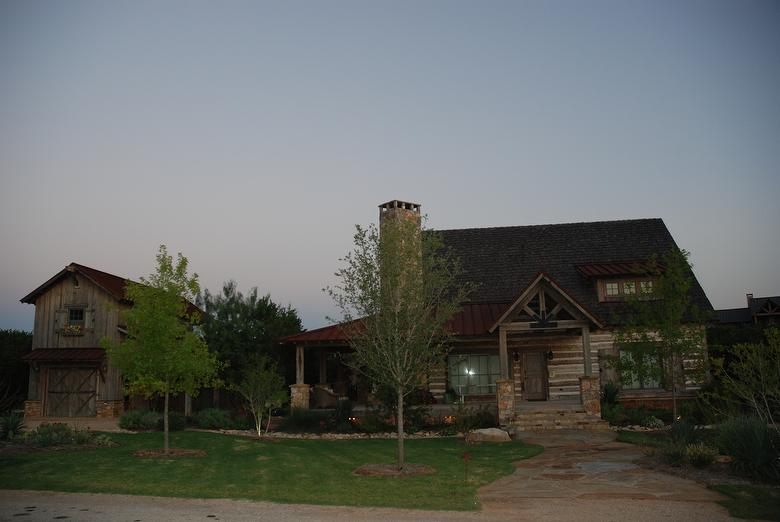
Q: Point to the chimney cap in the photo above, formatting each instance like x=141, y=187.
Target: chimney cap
x=397, y=203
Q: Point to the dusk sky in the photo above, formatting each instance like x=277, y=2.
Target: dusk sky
x=252, y=136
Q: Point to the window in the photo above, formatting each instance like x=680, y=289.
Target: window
x=473, y=374
x=76, y=317
x=622, y=289
x=636, y=380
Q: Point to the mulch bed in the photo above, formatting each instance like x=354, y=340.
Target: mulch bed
x=715, y=473
x=391, y=470
x=172, y=453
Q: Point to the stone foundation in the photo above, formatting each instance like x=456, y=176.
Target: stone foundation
x=590, y=394
x=299, y=396
x=33, y=409
x=109, y=409
x=505, y=396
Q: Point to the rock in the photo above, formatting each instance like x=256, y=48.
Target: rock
x=487, y=435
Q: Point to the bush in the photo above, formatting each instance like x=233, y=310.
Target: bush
x=614, y=414
x=372, y=422
x=137, y=420
x=673, y=453
x=304, y=421
x=467, y=419
x=56, y=434
x=685, y=432
x=700, y=455
x=752, y=446
x=636, y=416
x=176, y=421
x=654, y=423
x=213, y=419
x=609, y=393
x=11, y=424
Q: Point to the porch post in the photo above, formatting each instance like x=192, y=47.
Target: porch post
x=299, y=392
x=503, y=357
x=299, y=359
x=323, y=367
x=586, y=350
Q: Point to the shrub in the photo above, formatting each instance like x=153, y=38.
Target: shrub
x=614, y=414
x=82, y=436
x=55, y=434
x=700, y=455
x=752, y=446
x=684, y=432
x=467, y=419
x=304, y=421
x=609, y=393
x=11, y=424
x=103, y=440
x=636, y=416
x=654, y=423
x=139, y=420
x=673, y=453
x=372, y=422
x=176, y=421
x=213, y=419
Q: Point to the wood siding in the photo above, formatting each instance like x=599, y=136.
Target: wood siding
x=101, y=320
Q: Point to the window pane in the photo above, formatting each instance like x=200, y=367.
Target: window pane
x=611, y=288
x=76, y=316
x=646, y=286
x=473, y=374
x=629, y=287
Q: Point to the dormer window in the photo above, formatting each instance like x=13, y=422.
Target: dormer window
x=625, y=289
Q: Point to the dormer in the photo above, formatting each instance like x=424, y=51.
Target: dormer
x=623, y=281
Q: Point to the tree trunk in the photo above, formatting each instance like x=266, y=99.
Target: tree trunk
x=400, y=425
x=165, y=424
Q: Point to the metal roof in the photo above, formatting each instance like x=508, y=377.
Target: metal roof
x=66, y=355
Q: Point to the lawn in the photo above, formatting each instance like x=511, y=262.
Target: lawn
x=282, y=470
x=753, y=502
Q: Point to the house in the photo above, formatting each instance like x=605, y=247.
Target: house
x=70, y=375
x=761, y=311
x=536, y=332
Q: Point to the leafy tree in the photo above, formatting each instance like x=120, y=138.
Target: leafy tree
x=660, y=334
x=397, y=292
x=14, y=372
x=238, y=327
x=163, y=353
x=262, y=389
x=752, y=378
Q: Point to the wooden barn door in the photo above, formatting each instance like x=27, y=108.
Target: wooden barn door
x=71, y=392
x=535, y=369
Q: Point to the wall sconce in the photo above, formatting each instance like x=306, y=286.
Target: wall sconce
x=516, y=356
x=549, y=355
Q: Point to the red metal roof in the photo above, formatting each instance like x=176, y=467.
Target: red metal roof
x=65, y=355
x=616, y=269
x=473, y=319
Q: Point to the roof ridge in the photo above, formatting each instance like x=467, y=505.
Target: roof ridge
x=504, y=227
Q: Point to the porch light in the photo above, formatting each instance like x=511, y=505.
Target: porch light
x=470, y=372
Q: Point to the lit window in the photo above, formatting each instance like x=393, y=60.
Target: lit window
x=629, y=287
x=473, y=374
x=638, y=379
x=611, y=289
x=76, y=316
x=646, y=286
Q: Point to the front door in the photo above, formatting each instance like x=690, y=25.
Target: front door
x=71, y=392
x=535, y=369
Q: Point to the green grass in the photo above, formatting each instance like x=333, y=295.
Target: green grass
x=754, y=502
x=654, y=439
x=290, y=470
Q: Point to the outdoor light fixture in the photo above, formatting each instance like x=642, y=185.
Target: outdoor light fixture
x=549, y=355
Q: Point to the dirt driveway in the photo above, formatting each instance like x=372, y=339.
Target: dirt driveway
x=581, y=476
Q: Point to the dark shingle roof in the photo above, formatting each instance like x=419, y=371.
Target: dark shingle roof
x=734, y=315
x=503, y=260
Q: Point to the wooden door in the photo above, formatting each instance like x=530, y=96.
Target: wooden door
x=535, y=370
x=71, y=392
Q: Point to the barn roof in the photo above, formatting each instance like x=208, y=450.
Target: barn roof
x=65, y=355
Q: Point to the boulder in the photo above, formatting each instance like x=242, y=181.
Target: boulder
x=487, y=435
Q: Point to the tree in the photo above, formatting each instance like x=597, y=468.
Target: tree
x=752, y=377
x=14, y=372
x=262, y=389
x=397, y=291
x=163, y=353
x=238, y=327
x=661, y=336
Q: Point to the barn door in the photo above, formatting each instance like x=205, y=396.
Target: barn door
x=71, y=392
x=535, y=369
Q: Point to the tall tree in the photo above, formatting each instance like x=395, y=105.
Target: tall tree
x=397, y=291
x=14, y=372
x=239, y=327
x=163, y=353
x=662, y=335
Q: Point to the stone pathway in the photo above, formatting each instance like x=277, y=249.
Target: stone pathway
x=580, y=469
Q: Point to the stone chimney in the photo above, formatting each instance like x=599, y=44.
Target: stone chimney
x=749, y=299
x=397, y=209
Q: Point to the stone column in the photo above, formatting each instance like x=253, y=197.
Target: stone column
x=299, y=396
x=590, y=394
x=505, y=395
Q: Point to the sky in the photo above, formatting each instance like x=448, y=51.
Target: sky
x=253, y=136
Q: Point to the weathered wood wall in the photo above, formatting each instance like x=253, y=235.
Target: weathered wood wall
x=101, y=320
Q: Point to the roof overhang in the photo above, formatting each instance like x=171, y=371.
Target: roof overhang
x=53, y=355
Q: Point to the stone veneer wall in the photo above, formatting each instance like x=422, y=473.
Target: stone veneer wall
x=109, y=409
x=33, y=409
x=591, y=395
x=505, y=396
